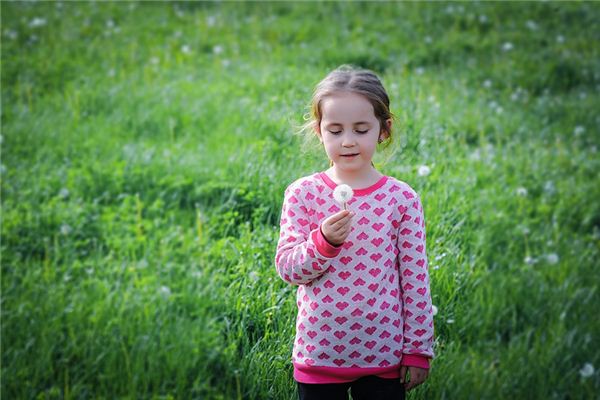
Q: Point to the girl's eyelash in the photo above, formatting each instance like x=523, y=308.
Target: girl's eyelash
x=335, y=133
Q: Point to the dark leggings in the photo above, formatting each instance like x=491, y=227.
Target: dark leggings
x=366, y=388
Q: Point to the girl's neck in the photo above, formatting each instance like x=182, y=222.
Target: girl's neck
x=355, y=179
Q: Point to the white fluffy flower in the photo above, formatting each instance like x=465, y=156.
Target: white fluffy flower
x=424, y=170
x=552, y=258
x=435, y=309
x=587, y=370
x=342, y=194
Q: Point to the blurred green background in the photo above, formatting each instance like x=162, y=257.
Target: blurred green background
x=146, y=148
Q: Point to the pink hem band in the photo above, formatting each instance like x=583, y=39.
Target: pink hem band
x=415, y=360
x=323, y=246
x=305, y=374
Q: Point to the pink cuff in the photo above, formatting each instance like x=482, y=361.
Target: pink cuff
x=323, y=246
x=415, y=360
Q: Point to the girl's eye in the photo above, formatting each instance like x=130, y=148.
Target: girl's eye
x=335, y=133
x=362, y=131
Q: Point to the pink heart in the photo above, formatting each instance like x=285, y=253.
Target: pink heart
x=377, y=226
x=327, y=299
x=373, y=287
x=339, y=362
x=363, y=236
x=341, y=305
x=384, y=320
x=357, y=297
x=384, y=349
x=357, y=312
x=361, y=252
x=324, y=356
x=364, y=206
x=370, y=344
x=312, y=334
x=344, y=275
x=309, y=361
x=421, y=318
x=355, y=326
x=407, y=258
x=325, y=328
x=369, y=359
x=380, y=196
x=321, y=201
x=377, y=242
x=343, y=290
x=345, y=260
x=371, y=301
x=360, y=267
x=374, y=272
x=359, y=282
x=310, y=348
x=313, y=319
x=408, y=195
x=355, y=354
x=355, y=340
x=376, y=256
x=324, y=342
x=314, y=305
x=341, y=320
x=379, y=211
x=339, y=334
x=372, y=315
x=326, y=314
x=328, y=284
x=339, y=348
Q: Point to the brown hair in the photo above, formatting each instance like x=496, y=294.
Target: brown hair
x=352, y=79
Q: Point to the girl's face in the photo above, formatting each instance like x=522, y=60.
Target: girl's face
x=349, y=130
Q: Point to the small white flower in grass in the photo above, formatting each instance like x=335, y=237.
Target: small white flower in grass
x=10, y=34
x=507, y=46
x=154, y=60
x=530, y=260
x=487, y=83
x=483, y=18
x=450, y=321
x=428, y=39
x=435, y=309
x=211, y=20
x=343, y=194
x=64, y=193
x=587, y=370
x=579, y=130
x=521, y=191
x=253, y=275
x=531, y=25
x=560, y=39
x=225, y=63
x=419, y=70
x=65, y=229
x=424, y=170
x=165, y=291
x=218, y=49
x=36, y=22
x=549, y=187
x=552, y=258
x=186, y=49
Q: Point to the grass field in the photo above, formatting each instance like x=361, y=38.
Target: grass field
x=146, y=148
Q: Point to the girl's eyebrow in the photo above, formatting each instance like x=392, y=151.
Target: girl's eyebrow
x=356, y=123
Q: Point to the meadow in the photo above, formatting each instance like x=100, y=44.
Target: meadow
x=145, y=149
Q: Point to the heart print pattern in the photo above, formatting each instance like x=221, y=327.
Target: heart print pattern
x=366, y=303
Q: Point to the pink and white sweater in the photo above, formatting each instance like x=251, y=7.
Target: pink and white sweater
x=364, y=307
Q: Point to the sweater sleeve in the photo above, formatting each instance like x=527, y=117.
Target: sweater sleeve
x=302, y=254
x=414, y=282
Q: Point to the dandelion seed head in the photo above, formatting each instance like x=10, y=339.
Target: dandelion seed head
x=552, y=258
x=343, y=193
x=65, y=229
x=424, y=170
x=186, y=49
x=507, y=46
x=217, y=49
x=579, y=130
x=521, y=191
x=587, y=370
x=434, y=309
x=487, y=83
x=37, y=22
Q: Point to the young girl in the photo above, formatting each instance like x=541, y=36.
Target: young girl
x=364, y=305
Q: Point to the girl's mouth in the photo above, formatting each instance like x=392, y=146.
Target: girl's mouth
x=349, y=155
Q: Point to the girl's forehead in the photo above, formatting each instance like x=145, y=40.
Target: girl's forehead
x=346, y=107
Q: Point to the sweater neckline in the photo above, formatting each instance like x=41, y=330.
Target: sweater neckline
x=357, y=192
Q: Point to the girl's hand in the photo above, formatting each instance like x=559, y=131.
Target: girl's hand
x=417, y=376
x=336, y=228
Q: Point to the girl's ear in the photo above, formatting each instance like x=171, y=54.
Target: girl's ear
x=317, y=130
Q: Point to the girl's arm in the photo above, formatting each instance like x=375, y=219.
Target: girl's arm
x=414, y=283
x=302, y=254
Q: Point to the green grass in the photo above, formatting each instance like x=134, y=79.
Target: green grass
x=146, y=147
